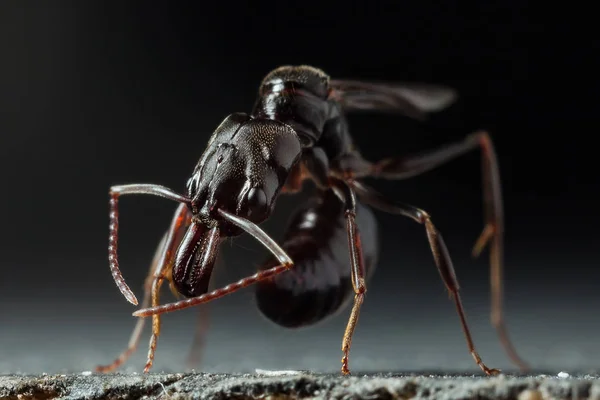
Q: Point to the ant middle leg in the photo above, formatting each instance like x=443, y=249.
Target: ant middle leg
x=160, y=266
x=493, y=231
x=179, y=225
x=113, y=239
x=440, y=254
x=346, y=194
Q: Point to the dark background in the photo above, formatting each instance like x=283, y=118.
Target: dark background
x=94, y=94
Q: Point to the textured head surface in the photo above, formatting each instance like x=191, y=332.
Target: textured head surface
x=246, y=163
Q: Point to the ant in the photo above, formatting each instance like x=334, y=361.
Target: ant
x=298, y=131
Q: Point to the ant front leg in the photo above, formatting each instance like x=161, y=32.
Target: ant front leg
x=179, y=225
x=162, y=261
x=139, y=326
x=161, y=264
x=440, y=254
x=174, y=234
x=346, y=194
x=257, y=233
x=115, y=193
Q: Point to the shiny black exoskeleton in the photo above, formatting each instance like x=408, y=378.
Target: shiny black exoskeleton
x=320, y=283
x=298, y=131
x=242, y=171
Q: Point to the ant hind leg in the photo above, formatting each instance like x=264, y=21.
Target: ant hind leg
x=354, y=166
x=440, y=254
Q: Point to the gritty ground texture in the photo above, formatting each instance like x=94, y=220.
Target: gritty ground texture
x=298, y=385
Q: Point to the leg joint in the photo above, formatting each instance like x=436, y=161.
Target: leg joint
x=423, y=216
x=360, y=288
x=289, y=265
x=482, y=138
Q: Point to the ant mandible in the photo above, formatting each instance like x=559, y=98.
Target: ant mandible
x=298, y=131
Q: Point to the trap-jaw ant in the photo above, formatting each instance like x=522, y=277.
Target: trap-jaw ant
x=298, y=131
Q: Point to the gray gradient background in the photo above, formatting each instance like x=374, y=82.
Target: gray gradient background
x=93, y=95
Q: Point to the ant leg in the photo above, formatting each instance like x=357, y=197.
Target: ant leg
x=115, y=193
x=179, y=225
x=407, y=167
x=215, y=294
x=403, y=168
x=162, y=262
x=156, y=284
x=440, y=254
x=139, y=326
x=196, y=351
x=347, y=195
x=255, y=231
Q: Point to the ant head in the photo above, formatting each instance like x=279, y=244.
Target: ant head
x=234, y=184
x=242, y=170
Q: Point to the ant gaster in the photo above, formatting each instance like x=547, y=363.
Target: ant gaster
x=298, y=131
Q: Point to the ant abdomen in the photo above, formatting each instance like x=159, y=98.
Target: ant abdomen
x=319, y=284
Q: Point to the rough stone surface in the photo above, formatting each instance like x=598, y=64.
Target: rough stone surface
x=298, y=385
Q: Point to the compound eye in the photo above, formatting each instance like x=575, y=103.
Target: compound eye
x=256, y=203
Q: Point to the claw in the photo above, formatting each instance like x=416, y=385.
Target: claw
x=345, y=370
x=492, y=371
